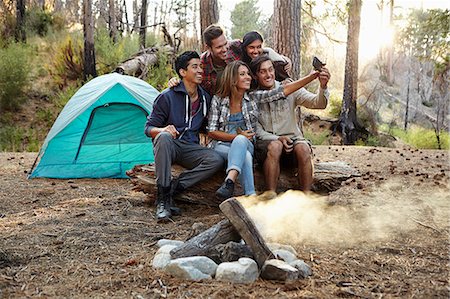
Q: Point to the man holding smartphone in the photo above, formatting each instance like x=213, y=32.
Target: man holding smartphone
x=279, y=138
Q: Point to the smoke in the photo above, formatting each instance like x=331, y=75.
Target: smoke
x=295, y=217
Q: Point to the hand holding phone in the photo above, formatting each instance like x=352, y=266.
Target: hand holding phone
x=317, y=64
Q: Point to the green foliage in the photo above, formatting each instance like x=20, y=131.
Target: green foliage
x=245, y=17
x=334, y=105
x=14, y=79
x=372, y=140
x=67, y=64
x=425, y=35
x=159, y=75
x=16, y=139
x=38, y=21
x=419, y=137
x=316, y=138
x=108, y=54
x=63, y=96
x=45, y=116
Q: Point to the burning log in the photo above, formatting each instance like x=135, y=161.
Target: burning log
x=204, y=243
x=328, y=177
x=245, y=226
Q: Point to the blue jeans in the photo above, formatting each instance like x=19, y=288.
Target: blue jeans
x=239, y=154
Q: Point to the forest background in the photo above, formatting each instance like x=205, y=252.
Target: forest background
x=389, y=60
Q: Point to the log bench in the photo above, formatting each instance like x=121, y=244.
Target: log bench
x=328, y=177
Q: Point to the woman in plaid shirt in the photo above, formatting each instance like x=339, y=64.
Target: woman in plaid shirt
x=232, y=122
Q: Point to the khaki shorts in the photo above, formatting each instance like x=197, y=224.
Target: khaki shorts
x=286, y=159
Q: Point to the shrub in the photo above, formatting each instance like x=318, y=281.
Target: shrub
x=38, y=21
x=67, y=64
x=14, y=78
x=159, y=75
x=371, y=140
x=109, y=54
x=316, y=138
x=421, y=138
x=16, y=139
x=334, y=105
x=62, y=97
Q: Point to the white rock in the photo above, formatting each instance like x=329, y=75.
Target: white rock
x=166, y=249
x=245, y=270
x=275, y=246
x=161, y=260
x=285, y=255
x=164, y=242
x=192, y=268
x=303, y=268
x=278, y=270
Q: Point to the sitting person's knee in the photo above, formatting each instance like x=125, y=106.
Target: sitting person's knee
x=275, y=148
x=303, y=151
x=215, y=158
x=164, y=136
x=240, y=138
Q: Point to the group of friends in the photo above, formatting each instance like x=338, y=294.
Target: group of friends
x=233, y=93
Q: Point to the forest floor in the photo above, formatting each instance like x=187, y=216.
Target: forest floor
x=382, y=235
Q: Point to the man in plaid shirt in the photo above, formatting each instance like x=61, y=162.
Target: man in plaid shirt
x=218, y=55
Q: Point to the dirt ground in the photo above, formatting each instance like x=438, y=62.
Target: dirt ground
x=96, y=238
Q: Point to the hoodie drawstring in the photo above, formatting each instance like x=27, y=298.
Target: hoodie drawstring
x=187, y=109
x=204, y=106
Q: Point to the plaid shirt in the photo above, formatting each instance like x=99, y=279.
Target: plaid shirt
x=219, y=111
x=209, y=77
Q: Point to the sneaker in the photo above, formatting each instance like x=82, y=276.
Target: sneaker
x=226, y=190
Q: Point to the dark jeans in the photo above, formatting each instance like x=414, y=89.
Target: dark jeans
x=201, y=162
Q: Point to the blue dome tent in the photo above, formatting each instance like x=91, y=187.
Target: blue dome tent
x=100, y=131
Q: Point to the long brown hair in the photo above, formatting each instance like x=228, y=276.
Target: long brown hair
x=229, y=78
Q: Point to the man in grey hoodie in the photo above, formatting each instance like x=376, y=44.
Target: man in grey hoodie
x=178, y=115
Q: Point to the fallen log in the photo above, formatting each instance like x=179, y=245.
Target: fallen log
x=245, y=226
x=328, y=177
x=139, y=64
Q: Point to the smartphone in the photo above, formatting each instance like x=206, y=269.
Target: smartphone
x=317, y=64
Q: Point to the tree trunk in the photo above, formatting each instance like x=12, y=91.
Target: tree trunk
x=348, y=122
x=89, y=49
x=112, y=21
x=135, y=16
x=390, y=51
x=286, y=31
x=20, y=21
x=209, y=14
x=143, y=27
x=405, y=127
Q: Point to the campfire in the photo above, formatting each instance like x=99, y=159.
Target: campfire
x=231, y=250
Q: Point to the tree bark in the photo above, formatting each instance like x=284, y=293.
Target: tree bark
x=286, y=31
x=89, y=49
x=209, y=14
x=20, y=35
x=112, y=21
x=143, y=27
x=136, y=13
x=348, y=122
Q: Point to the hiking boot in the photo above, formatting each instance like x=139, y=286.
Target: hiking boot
x=163, y=212
x=226, y=190
x=175, y=188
